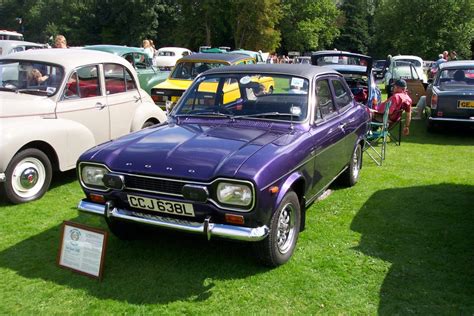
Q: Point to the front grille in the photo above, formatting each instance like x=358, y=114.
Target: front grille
x=153, y=184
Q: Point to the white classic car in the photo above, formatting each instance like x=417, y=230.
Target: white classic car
x=57, y=103
x=166, y=57
x=8, y=47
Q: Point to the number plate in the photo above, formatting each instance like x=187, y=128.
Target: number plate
x=162, y=206
x=463, y=104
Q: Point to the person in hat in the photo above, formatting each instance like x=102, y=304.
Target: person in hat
x=400, y=101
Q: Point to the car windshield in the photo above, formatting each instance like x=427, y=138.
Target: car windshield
x=31, y=77
x=404, y=70
x=456, y=79
x=415, y=62
x=341, y=60
x=253, y=96
x=190, y=70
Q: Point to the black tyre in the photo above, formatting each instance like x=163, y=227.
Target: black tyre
x=28, y=176
x=351, y=175
x=148, y=124
x=280, y=243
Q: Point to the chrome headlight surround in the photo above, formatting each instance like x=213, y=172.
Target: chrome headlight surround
x=234, y=194
x=91, y=175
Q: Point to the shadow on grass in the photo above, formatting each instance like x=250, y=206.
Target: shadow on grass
x=158, y=269
x=453, y=135
x=427, y=234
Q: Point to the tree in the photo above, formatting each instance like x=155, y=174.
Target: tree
x=308, y=25
x=355, y=30
x=424, y=27
x=253, y=24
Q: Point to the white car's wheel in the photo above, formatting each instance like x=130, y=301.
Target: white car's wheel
x=28, y=176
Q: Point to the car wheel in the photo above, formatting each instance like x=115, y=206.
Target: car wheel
x=351, y=175
x=148, y=124
x=28, y=176
x=278, y=246
x=123, y=230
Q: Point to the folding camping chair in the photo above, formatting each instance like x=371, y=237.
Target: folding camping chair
x=378, y=133
x=393, y=127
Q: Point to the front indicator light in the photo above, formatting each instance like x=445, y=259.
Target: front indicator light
x=234, y=219
x=97, y=198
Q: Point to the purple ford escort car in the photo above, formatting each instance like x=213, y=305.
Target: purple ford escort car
x=244, y=153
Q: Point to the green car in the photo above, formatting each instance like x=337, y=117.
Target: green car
x=148, y=75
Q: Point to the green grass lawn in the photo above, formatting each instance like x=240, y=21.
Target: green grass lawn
x=400, y=242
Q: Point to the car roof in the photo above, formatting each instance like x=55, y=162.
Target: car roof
x=348, y=68
x=407, y=57
x=305, y=71
x=230, y=58
x=12, y=43
x=116, y=49
x=67, y=57
x=173, y=49
x=457, y=64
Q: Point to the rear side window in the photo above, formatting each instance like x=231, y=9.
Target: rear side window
x=342, y=95
x=83, y=83
x=118, y=79
x=325, y=104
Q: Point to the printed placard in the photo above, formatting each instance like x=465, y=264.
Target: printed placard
x=82, y=249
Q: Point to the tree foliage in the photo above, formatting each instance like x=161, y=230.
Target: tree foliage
x=354, y=35
x=424, y=27
x=308, y=24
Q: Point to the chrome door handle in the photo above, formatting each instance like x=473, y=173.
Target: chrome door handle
x=342, y=126
x=100, y=106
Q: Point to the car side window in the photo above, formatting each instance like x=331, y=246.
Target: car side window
x=341, y=93
x=324, y=99
x=83, y=83
x=118, y=79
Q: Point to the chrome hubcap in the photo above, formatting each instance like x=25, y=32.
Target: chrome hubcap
x=28, y=177
x=286, y=228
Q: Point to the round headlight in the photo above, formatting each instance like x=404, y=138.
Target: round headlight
x=234, y=193
x=91, y=176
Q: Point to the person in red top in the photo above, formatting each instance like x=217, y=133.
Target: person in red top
x=400, y=101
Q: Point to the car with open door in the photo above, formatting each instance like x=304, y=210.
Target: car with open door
x=357, y=71
x=235, y=160
x=407, y=71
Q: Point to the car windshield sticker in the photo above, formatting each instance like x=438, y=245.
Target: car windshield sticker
x=245, y=80
x=297, y=82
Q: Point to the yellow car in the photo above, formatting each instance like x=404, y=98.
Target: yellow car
x=167, y=93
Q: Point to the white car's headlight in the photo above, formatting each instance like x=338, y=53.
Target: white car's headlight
x=91, y=176
x=234, y=193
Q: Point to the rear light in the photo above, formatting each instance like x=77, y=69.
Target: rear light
x=434, y=101
x=439, y=113
x=158, y=98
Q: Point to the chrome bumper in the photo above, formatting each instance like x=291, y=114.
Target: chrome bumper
x=2, y=177
x=469, y=120
x=207, y=228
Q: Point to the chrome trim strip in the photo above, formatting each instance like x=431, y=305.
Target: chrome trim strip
x=450, y=119
x=207, y=228
x=94, y=208
x=3, y=177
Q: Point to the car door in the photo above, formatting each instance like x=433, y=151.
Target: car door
x=415, y=85
x=83, y=101
x=328, y=138
x=122, y=96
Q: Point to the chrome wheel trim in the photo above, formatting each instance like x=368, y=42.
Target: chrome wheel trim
x=286, y=231
x=28, y=177
x=356, y=162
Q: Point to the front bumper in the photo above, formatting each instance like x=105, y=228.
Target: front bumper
x=445, y=119
x=3, y=178
x=206, y=228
